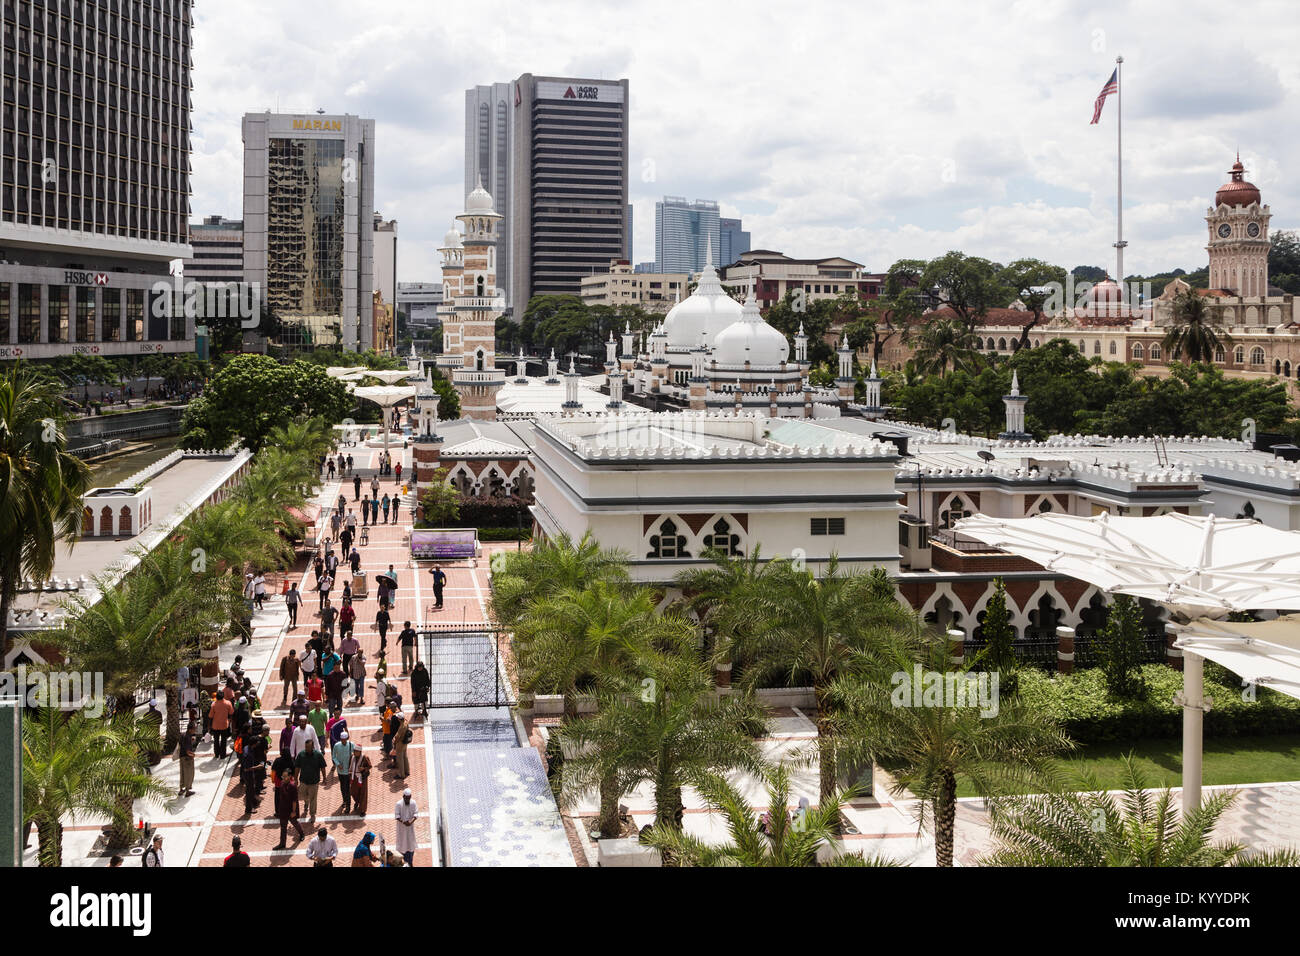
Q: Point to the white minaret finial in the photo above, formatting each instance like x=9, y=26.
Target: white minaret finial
x=873, y=367
x=1015, y=382
x=708, y=251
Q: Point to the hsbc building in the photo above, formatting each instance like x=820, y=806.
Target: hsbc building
x=568, y=207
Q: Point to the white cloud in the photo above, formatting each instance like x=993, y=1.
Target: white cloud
x=875, y=132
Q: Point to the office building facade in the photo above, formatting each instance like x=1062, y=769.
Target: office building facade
x=420, y=301
x=94, y=192
x=686, y=234
x=734, y=241
x=308, y=225
x=386, y=258
x=568, y=205
x=218, y=255
x=619, y=285
x=489, y=151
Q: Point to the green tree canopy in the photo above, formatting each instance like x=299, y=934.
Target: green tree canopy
x=253, y=394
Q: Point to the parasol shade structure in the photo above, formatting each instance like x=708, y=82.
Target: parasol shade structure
x=1200, y=568
x=1266, y=653
x=1196, y=566
x=386, y=579
x=385, y=396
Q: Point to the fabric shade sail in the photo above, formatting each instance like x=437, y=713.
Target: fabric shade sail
x=1196, y=566
x=1266, y=653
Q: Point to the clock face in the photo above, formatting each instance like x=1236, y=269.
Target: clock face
x=1225, y=231
x=1252, y=230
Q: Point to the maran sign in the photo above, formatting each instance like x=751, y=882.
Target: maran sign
x=335, y=126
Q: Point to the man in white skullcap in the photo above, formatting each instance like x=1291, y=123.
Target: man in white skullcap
x=405, y=814
x=342, y=754
x=301, y=734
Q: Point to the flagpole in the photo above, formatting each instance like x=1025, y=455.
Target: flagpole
x=1119, y=177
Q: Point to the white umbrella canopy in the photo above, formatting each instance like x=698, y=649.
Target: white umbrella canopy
x=1261, y=652
x=385, y=395
x=1196, y=566
x=341, y=371
x=388, y=376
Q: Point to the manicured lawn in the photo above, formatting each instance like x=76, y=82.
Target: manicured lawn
x=1228, y=760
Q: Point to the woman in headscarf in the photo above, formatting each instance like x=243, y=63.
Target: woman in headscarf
x=363, y=855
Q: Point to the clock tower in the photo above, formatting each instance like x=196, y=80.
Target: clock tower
x=1238, y=246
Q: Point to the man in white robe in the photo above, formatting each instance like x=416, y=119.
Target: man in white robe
x=405, y=814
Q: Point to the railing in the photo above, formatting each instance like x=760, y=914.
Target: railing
x=957, y=542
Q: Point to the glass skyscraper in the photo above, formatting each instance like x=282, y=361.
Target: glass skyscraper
x=684, y=234
x=309, y=225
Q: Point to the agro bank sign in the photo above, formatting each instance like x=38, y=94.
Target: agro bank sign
x=579, y=92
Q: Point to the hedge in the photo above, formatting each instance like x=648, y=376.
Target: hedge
x=505, y=534
x=1090, y=716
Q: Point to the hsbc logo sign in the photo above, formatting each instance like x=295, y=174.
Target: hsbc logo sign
x=85, y=278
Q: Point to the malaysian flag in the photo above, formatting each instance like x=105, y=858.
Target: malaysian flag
x=1112, y=86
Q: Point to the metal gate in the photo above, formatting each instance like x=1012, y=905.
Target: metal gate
x=466, y=666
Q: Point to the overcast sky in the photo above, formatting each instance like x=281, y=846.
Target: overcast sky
x=876, y=132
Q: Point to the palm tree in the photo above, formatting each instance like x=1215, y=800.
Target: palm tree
x=942, y=342
x=306, y=438
x=75, y=765
x=569, y=640
x=798, y=627
x=200, y=602
x=523, y=577
x=722, y=597
x=928, y=743
x=1074, y=822
x=663, y=725
x=783, y=842
x=41, y=484
x=1195, y=333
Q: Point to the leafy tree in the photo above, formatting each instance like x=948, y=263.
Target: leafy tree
x=815, y=317
x=81, y=765
x=253, y=394
x=440, y=501
x=999, y=654
x=1089, y=273
x=1195, y=334
x=968, y=285
x=448, y=398
x=1284, y=261
x=1073, y=821
x=1030, y=279
x=929, y=744
x=661, y=725
x=784, y=842
x=1120, y=649
x=41, y=484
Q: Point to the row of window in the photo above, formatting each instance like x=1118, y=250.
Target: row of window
x=668, y=542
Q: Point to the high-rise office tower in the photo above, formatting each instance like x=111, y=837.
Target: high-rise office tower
x=309, y=197
x=685, y=234
x=96, y=176
x=568, y=203
x=489, y=146
x=218, y=251
x=735, y=241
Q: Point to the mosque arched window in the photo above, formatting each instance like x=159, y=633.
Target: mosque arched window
x=668, y=543
x=722, y=539
x=1257, y=356
x=1114, y=347
x=1138, y=351
x=1239, y=355
x=1155, y=352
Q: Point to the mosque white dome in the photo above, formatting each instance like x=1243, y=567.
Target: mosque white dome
x=479, y=202
x=750, y=339
x=452, y=239
x=708, y=310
